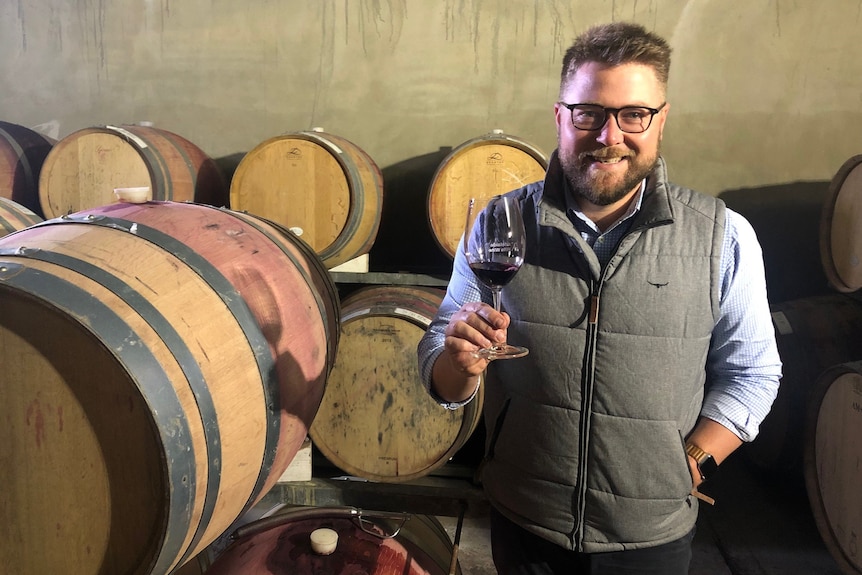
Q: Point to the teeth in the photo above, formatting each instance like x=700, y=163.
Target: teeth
x=609, y=160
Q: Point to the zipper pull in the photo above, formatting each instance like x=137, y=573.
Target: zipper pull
x=594, y=308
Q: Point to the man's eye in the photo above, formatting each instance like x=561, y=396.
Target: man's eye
x=587, y=114
x=633, y=115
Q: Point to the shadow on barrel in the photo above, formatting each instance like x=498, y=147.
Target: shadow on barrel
x=405, y=242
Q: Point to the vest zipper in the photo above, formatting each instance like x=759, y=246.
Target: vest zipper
x=586, y=411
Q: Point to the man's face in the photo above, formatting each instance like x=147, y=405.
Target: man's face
x=605, y=166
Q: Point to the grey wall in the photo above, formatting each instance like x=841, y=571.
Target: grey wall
x=765, y=94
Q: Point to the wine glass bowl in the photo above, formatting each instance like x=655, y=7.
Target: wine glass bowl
x=494, y=246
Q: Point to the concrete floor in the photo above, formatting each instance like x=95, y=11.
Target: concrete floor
x=757, y=527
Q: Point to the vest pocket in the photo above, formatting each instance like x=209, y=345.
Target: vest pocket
x=637, y=459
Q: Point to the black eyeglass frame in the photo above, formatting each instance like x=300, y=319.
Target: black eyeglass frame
x=613, y=112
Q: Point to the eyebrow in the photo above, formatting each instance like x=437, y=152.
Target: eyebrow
x=612, y=107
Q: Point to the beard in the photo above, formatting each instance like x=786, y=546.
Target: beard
x=603, y=189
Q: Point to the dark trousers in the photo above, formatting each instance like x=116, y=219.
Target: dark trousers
x=519, y=552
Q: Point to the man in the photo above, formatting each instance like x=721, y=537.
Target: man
x=652, y=352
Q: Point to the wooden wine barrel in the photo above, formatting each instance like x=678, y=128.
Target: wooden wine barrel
x=83, y=169
x=376, y=419
x=162, y=363
x=833, y=462
x=841, y=228
x=22, y=153
x=813, y=334
x=323, y=187
x=14, y=216
x=480, y=168
x=368, y=542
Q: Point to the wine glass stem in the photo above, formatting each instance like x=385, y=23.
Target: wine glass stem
x=496, y=294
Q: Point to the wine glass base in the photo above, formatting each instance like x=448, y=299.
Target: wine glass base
x=501, y=351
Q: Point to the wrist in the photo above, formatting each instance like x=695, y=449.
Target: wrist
x=705, y=465
x=697, y=460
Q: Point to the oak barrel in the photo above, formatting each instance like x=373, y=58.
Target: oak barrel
x=841, y=228
x=376, y=419
x=480, y=168
x=813, y=334
x=162, y=364
x=833, y=462
x=322, y=186
x=83, y=169
x=22, y=153
x=381, y=543
x=14, y=216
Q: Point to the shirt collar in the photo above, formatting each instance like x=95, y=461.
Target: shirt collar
x=572, y=207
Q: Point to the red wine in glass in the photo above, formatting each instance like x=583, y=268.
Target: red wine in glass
x=494, y=274
x=494, y=245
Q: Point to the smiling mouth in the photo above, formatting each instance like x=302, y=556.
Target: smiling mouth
x=604, y=156
x=607, y=160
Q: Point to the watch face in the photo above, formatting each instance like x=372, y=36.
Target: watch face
x=708, y=466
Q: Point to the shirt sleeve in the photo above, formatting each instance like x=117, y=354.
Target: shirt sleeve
x=463, y=287
x=743, y=367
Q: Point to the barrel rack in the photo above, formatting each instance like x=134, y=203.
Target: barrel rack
x=433, y=495
x=389, y=278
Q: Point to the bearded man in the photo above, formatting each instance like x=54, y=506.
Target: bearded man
x=652, y=354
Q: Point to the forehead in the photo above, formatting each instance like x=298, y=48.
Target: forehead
x=614, y=86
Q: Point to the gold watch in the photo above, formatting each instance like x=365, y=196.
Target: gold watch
x=706, y=464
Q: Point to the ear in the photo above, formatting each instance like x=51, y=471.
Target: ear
x=559, y=112
x=662, y=119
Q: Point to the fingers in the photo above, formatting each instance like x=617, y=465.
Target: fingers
x=478, y=324
x=462, y=357
x=475, y=326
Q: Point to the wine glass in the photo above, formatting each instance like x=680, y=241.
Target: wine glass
x=494, y=245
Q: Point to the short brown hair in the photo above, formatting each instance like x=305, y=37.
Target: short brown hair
x=616, y=44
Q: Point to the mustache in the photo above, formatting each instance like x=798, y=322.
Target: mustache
x=606, y=154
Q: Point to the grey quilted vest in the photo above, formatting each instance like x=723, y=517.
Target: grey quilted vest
x=585, y=435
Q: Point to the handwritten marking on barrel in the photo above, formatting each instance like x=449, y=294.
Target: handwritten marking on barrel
x=34, y=411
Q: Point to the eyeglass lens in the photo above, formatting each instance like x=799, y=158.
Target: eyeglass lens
x=631, y=119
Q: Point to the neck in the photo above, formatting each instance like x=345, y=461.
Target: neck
x=606, y=216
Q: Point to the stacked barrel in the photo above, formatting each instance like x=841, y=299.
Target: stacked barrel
x=367, y=542
x=480, y=168
x=321, y=186
x=811, y=434
x=22, y=153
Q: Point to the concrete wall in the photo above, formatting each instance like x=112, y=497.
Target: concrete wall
x=765, y=93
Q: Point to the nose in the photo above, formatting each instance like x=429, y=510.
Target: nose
x=610, y=134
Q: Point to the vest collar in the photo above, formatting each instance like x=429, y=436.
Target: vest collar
x=655, y=209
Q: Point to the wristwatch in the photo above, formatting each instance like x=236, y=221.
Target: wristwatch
x=705, y=462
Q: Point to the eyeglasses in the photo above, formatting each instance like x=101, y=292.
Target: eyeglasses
x=631, y=119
